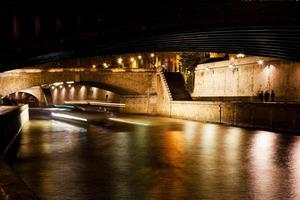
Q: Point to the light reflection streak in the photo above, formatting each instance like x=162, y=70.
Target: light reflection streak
x=60, y=115
x=233, y=142
x=63, y=94
x=209, y=135
x=232, y=155
x=55, y=95
x=190, y=129
x=72, y=92
x=82, y=93
x=121, y=164
x=173, y=155
x=295, y=169
x=96, y=103
x=263, y=169
x=127, y=121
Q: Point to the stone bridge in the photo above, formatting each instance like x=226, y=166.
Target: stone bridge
x=119, y=81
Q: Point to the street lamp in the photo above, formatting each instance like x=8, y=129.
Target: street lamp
x=120, y=61
x=105, y=65
x=153, y=59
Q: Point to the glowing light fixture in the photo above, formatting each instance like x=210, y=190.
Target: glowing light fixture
x=52, y=87
x=65, y=116
x=60, y=86
x=260, y=62
x=105, y=65
x=57, y=84
x=139, y=57
x=152, y=55
x=69, y=85
x=240, y=55
x=120, y=60
x=70, y=82
x=131, y=59
x=94, y=66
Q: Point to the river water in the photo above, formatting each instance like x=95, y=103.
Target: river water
x=157, y=158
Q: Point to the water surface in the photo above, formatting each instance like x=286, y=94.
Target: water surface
x=157, y=158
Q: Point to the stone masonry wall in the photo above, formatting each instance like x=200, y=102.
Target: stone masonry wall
x=130, y=81
x=270, y=116
x=247, y=78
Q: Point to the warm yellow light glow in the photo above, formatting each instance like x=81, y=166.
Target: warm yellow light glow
x=69, y=86
x=120, y=60
x=152, y=55
x=118, y=105
x=131, y=59
x=60, y=86
x=53, y=87
x=57, y=84
x=105, y=65
x=139, y=57
x=68, y=116
x=231, y=66
x=260, y=62
x=56, y=70
x=240, y=55
x=97, y=103
x=232, y=58
x=70, y=82
x=118, y=70
x=94, y=66
x=128, y=121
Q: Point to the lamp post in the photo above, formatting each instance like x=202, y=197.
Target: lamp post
x=140, y=63
x=152, y=55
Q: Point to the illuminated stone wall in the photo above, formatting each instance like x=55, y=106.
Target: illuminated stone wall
x=125, y=81
x=270, y=116
x=144, y=104
x=247, y=78
x=81, y=92
x=139, y=104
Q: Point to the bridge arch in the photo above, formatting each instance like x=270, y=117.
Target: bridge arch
x=124, y=82
x=23, y=97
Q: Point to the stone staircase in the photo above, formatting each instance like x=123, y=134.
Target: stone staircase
x=176, y=86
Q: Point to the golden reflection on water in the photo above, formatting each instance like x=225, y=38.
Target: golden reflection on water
x=170, y=175
x=121, y=164
x=57, y=136
x=183, y=160
x=295, y=170
x=232, y=141
x=264, y=172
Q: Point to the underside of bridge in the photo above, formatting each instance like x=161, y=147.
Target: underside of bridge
x=34, y=32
